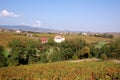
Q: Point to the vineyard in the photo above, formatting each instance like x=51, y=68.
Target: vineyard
x=25, y=58
x=63, y=71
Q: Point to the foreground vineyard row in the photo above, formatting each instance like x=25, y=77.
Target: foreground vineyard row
x=63, y=71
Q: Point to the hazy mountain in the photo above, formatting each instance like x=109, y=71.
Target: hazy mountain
x=26, y=28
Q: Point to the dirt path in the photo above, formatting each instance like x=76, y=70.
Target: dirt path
x=82, y=60
x=93, y=59
x=116, y=61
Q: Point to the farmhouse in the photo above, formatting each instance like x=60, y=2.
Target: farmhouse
x=17, y=31
x=85, y=34
x=44, y=40
x=59, y=39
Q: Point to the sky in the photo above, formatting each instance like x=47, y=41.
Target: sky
x=74, y=15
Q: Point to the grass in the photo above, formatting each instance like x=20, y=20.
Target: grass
x=100, y=44
x=63, y=71
x=88, y=39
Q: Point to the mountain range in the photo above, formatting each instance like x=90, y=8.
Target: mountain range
x=27, y=28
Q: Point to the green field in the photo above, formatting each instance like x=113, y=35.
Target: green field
x=63, y=71
x=100, y=44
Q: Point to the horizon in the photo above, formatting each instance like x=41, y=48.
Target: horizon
x=12, y=27
x=72, y=15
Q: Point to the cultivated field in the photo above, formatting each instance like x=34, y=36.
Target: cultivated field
x=63, y=71
x=6, y=37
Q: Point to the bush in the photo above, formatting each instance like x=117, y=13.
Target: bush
x=75, y=57
x=103, y=56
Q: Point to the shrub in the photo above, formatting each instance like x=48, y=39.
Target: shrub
x=103, y=56
x=75, y=57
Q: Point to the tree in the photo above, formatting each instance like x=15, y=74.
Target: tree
x=94, y=52
x=53, y=54
x=70, y=48
x=3, y=59
x=32, y=50
x=84, y=52
x=112, y=49
x=67, y=49
x=23, y=51
x=81, y=48
x=110, y=36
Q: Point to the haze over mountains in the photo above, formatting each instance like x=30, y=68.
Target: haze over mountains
x=26, y=28
x=36, y=29
x=44, y=30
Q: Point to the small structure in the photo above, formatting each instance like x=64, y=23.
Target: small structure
x=85, y=34
x=59, y=39
x=44, y=40
x=18, y=32
x=29, y=35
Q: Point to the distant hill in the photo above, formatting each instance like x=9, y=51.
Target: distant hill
x=46, y=30
x=26, y=28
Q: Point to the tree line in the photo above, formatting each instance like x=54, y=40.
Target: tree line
x=29, y=51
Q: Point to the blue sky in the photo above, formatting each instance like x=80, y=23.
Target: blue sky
x=76, y=15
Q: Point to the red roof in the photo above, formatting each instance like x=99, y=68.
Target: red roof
x=44, y=39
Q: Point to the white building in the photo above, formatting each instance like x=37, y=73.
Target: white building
x=85, y=34
x=59, y=39
x=18, y=31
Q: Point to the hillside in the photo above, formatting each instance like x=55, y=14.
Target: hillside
x=63, y=71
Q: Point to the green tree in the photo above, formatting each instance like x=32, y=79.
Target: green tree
x=3, y=59
x=112, y=49
x=94, y=52
x=69, y=48
x=53, y=54
x=32, y=50
x=110, y=36
x=23, y=51
x=84, y=52
x=15, y=51
x=115, y=49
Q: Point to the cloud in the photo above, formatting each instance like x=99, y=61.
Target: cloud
x=37, y=24
x=5, y=13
